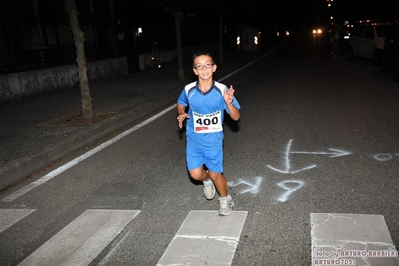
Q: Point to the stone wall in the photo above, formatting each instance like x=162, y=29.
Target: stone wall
x=23, y=84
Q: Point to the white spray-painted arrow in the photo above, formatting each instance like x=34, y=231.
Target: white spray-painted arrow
x=287, y=169
x=333, y=153
x=253, y=187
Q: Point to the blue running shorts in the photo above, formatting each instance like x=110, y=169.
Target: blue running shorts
x=213, y=160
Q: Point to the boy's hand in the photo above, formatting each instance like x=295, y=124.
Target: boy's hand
x=229, y=95
x=181, y=118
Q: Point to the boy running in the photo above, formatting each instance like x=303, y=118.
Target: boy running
x=207, y=100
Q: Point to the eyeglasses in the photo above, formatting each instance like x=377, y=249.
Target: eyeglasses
x=200, y=67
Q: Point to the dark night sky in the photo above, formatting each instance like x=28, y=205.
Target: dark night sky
x=369, y=9
x=344, y=9
x=280, y=11
x=267, y=15
x=306, y=13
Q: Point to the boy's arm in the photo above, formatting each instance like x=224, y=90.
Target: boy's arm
x=228, y=98
x=181, y=110
x=234, y=112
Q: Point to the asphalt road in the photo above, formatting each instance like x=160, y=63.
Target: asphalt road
x=316, y=135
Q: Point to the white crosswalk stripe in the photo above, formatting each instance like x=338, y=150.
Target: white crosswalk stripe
x=83, y=239
x=204, y=238
x=12, y=216
x=351, y=239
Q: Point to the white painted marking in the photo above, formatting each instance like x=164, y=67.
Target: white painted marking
x=290, y=190
x=287, y=161
x=253, y=188
x=334, y=152
x=205, y=238
x=351, y=237
x=82, y=240
x=84, y=156
x=65, y=167
x=382, y=157
x=8, y=217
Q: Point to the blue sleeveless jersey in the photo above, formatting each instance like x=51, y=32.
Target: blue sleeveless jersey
x=206, y=112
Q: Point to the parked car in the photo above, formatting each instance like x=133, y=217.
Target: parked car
x=368, y=40
x=390, y=60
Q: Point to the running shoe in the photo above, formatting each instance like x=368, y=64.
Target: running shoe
x=226, y=205
x=209, y=191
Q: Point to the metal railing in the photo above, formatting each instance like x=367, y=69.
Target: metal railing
x=29, y=42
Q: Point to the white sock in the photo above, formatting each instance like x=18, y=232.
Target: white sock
x=226, y=197
x=207, y=183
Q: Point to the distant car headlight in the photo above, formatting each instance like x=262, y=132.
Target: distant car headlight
x=317, y=31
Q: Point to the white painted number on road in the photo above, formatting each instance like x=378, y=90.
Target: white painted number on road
x=252, y=188
x=297, y=184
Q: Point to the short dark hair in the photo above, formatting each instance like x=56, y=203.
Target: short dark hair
x=200, y=53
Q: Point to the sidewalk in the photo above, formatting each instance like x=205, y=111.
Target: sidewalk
x=37, y=131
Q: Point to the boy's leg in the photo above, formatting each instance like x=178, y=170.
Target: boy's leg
x=225, y=200
x=220, y=182
x=195, y=161
x=215, y=172
x=218, y=179
x=200, y=174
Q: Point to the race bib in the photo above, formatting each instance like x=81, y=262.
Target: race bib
x=208, y=123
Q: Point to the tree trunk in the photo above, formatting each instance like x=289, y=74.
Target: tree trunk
x=221, y=39
x=179, y=50
x=87, y=109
